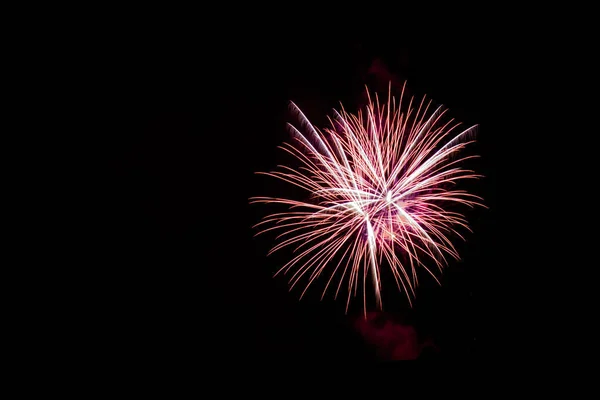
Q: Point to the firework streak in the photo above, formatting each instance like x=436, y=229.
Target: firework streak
x=381, y=185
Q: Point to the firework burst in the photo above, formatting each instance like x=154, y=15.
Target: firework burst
x=381, y=186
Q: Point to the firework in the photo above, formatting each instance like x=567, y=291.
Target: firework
x=380, y=192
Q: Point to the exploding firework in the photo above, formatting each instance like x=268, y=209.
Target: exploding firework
x=381, y=188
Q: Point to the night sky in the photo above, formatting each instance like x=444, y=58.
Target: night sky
x=189, y=122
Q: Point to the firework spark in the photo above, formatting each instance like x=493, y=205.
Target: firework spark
x=380, y=184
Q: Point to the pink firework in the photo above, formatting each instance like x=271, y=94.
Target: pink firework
x=380, y=184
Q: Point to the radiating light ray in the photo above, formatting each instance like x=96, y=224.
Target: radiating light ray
x=379, y=185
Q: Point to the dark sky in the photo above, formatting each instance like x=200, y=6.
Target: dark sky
x=189, y=121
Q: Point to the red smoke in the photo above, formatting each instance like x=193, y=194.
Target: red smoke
x=392, y=339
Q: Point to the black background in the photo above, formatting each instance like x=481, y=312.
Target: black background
x=190, y=117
